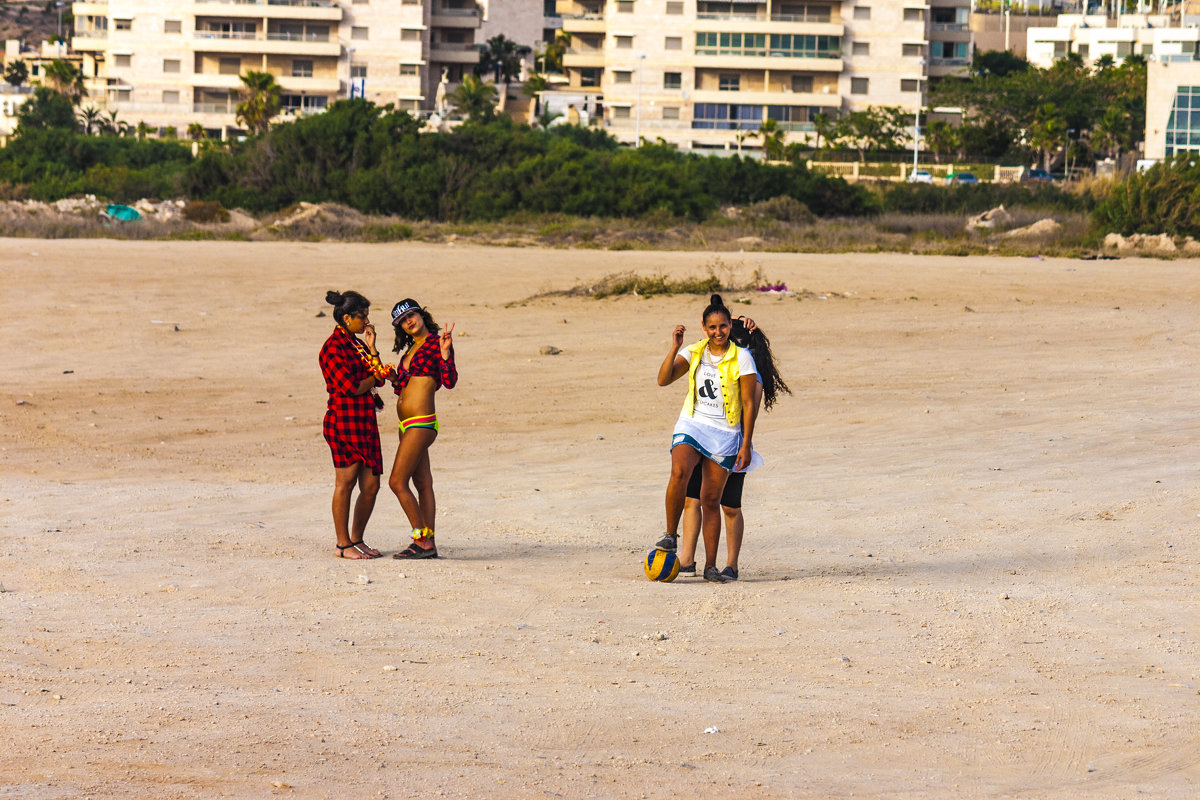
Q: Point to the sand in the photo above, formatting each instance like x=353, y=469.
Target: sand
x=970, y=566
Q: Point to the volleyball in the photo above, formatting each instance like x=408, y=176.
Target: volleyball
x=661, y=566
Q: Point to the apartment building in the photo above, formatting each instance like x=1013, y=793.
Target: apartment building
x=172, y=63
x=702, y=73
x=1095, y=35
x=1172, y=108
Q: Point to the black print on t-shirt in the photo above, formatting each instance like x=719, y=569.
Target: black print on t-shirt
x=708, y=391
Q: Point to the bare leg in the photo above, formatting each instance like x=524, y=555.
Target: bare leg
x=414, y=445
x=735, y=525
x=691, y=532
x=368, y=489
x=683, y=461
x=344, y=479
x=422, y=480
x=710, y=508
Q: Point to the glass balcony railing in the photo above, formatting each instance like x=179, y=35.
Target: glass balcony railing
x=948, y=26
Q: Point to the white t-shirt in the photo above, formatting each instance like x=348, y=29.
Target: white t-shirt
x=710, y=400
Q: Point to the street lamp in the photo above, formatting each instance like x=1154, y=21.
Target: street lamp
x=917, y=117
x=637, y=127
x=59, y=7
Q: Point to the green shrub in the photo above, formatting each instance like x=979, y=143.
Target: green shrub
x=1163, y=199
x=205, y=211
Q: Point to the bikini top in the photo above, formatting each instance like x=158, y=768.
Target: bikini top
x=427, y=361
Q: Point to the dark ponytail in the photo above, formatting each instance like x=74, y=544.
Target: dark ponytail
x=716, y=306
x=345, y=304
x=760, y=347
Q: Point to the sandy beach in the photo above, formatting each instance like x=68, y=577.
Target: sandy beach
x=970, y=567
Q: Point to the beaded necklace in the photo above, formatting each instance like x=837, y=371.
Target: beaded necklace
x=375, y=366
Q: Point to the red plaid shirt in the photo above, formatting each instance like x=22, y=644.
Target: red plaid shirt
x=428, y=361
x=350, y=425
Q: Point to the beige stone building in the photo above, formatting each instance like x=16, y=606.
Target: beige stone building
x=172, y=63
x=701, y=73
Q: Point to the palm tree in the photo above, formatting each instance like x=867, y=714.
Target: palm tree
x=261, y=100
x=825, y=128
x=772, y=137
x=474, y=99
x=502, y=57
x=143, y=130
x=90, y=120
x=195, y=131
x=64, y=78
x=552, y=56
x=1048, y=132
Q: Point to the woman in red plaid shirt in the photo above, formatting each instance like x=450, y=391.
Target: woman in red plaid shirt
x=426, y=366
x=352, y=370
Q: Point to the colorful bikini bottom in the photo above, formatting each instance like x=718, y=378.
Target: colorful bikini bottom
x=427, y=421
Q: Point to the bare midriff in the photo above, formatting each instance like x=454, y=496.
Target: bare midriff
x=416, y=399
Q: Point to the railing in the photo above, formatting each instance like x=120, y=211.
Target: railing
x=733, y=15
x=1178, y=57
x=595, y=16
x=762, y=51
x=949, y=62
x=949, y=26
x=301, y=3
x=454, y=46
x=280, y=36
x=240, y=35
x=456, y=12
x=214, y=108
x=93, y=33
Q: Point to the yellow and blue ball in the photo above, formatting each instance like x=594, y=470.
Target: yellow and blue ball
x=661, y=566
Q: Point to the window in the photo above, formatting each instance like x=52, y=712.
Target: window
x=622, y=76
x=802, y=83
x=910, y=85
x=620, y=112
x=672, y=80
x=550, y=9
x=729, y=82
x=912, y=50
x=359, y=33
x=358, y=70
x=172, y=26
x=914, y=14
x=361, y=2
x=589, y=76
x=410, y=35
x=170, y=97
x=861, y=48
x=122, y=60
x=302, y=68
x=170, y=65
x=1083, y=51
x=670, y=112
x=726, y=116
x=408, y=70
x=230, y=66
x=624, y=6
x=124, y=95
x=862, y=12
x=673, y=43
x=674, y=8
x=860, y=85
x=624, y=42
x=122, y=24
x=410, y=2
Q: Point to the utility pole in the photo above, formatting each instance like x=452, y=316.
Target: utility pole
x=637, y=129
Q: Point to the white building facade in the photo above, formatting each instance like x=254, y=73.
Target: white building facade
x=702, y=73
x=1094, y=36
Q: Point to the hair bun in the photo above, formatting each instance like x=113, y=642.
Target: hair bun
x=716, y=300
x=333, y=298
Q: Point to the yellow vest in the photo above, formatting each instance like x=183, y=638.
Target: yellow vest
x=731, y=389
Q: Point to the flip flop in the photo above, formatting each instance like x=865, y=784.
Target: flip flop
x=413, y=551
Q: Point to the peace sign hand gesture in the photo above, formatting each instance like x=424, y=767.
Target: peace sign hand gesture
x=446, y=341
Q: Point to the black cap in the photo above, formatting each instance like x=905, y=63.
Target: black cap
x=402, y=308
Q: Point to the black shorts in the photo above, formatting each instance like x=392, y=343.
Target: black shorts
x=731, y=497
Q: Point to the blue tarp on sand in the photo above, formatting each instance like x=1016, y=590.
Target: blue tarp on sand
x=122, y=213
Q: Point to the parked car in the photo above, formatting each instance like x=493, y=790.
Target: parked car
x=920, y=176
x=961, y=177
x=1038, y=176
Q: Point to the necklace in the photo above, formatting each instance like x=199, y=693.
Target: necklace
x=374, y=364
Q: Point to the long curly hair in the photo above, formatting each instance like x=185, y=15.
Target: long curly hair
x=404, y=341
x=760, y=347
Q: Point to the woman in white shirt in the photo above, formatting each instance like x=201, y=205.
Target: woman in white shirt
x=715, y=427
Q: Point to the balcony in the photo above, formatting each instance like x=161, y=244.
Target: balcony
x=937, y=27
x=455, y=18
x=313, y=10
x=454, y=52
x=583, y=23
x=293, y=85
x=274, y=43
x=95, y=8
x=584, y=58
x=810, y=99
x=764, y=24
x=89, y=40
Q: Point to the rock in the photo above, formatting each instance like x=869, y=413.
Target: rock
x=1043, y=227
x=751, y=241
x=994, y=218
x=1115, y=240
x=363, y=579
x=1190, y=245
x=549, y=350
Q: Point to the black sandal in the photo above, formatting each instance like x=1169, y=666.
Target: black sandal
x=415, y=551
x=342, y=548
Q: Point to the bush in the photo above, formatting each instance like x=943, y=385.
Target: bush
x=784, y=209
x=1163, y=199
x=205, y=211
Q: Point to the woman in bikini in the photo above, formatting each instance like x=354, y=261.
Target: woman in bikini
x=715, y=427
x=426, y=366
x=352, y=370
x=767, y=389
